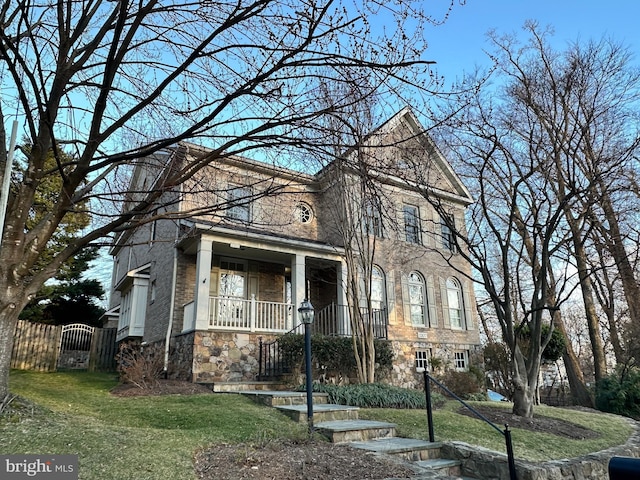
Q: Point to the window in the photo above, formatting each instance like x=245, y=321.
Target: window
x=411, y=224
x=448, y=237
x=455, y=305
x=377, y=288
x=303, y=213
x=239, y=199
x=417, y=299
x=422, y=360
x=461, y=360
x=373, y=220
x=153, y=291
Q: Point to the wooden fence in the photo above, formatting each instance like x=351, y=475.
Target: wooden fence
x=36, y=346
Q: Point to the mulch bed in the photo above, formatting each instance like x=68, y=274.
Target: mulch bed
x=286, y=460
x=538, y=423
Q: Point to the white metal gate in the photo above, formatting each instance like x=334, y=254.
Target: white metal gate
x=75, y=346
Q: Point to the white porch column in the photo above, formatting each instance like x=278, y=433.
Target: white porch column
x=298, y=284
x=203, y=282
x=341, y=295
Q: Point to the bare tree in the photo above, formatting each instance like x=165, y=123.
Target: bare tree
x=111, y=82
x=518, y=234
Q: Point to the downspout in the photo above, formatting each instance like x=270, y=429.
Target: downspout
x=171, y=308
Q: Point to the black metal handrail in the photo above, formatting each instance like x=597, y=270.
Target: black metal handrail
x=271, y=362
x=506, y=433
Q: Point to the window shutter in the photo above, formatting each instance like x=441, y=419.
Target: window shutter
x=406, y=306
x=431, y=299
x=468, y=312
x=391, y=298
x=446, y=323
x=427, y=227
x=437, y=230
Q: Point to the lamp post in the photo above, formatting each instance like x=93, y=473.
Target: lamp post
x=307, y=314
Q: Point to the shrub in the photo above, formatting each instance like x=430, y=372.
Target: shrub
x=140, y=365
x=619, y=393
x=333, y=354
x=376, y=395
x=464, y=384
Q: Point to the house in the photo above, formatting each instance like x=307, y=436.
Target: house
x=255, y=240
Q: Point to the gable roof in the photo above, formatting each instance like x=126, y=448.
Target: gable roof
x=406, y=124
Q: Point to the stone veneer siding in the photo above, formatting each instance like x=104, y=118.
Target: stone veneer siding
x=404, y=374
x=217, y=356
x=490, y=465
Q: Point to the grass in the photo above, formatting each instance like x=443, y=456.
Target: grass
x=137, y=437
x=156, y=437
x=533, y=446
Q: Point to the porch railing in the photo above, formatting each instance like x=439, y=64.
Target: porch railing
x=237, y=314
x=334, y=320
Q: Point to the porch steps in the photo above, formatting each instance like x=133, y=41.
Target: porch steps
x=277, y=398
x=343, y=431
x=239, y=387
x=321, y=412
x=340, y=424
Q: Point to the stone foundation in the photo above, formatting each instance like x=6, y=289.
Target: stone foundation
x=404, y=373
x=490, y=465
x=210, y=357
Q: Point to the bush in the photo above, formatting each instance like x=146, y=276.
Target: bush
x=140, y=365
x=619, y=393
x=333, y=354
x=376, y=395
x=465, y=385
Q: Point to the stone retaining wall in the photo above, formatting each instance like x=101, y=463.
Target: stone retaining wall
x=490, y=465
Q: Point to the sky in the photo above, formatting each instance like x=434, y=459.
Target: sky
x=458, y=44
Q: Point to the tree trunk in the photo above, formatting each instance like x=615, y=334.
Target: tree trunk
x=524, y=384
x=8, y=321
x=593, y=322
x=619, y=253
x=579, y=392
x=523, y=399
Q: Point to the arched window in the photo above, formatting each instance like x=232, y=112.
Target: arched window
x=377, y=288
x=417, y=299
x=456, y=306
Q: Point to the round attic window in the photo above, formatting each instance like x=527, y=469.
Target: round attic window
x=303, y=213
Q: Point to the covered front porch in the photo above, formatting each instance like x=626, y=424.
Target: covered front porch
x=255, y=286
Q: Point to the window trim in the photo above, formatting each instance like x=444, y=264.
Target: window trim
x=447, y=234
x=454, y=287
x=461, y=360
x=411, y=216
x=424, y=305
x=238, y=211
x=422, y=359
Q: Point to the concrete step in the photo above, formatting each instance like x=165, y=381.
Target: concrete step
x=237, y=387
x=341, y=431
x=441, y=467
x=409, y=449
x=280, y=398
x=321, y=412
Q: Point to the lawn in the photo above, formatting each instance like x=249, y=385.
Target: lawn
x=156, y=437
x=138, y=437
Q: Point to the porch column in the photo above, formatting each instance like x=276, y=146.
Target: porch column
x=341, y=295
x=298, y=284
x=203, y=283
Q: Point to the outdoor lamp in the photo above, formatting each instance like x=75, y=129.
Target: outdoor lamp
x=306, y=316
x=306, y=312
